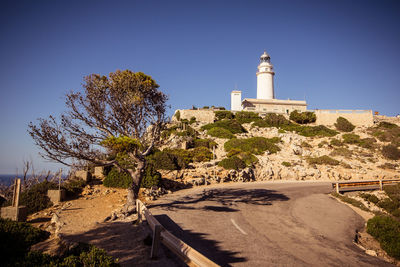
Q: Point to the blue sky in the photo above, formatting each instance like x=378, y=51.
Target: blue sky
x=336, y=54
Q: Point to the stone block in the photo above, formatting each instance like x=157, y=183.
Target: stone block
x=18, y=214
x=84, y=175
x=56, y=196
x=99, y=172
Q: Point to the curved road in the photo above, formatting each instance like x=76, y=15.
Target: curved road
x=265, y=224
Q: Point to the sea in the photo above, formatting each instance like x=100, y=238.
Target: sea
x=8, y=179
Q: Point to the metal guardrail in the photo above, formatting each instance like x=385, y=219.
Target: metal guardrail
x=362, y=185
x=188, y=254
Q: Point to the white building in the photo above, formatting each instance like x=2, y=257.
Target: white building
x=265, y=102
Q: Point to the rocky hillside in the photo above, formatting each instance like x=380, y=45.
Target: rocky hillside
x=305, y=152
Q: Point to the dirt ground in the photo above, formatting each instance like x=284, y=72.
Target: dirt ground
x=83, y=220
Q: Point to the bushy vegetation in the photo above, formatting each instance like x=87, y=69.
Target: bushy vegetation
x=336, y=142
x=302, y=117
x=356, y=140
x=387, y=132
x=351, y=201
x=388, y=165
x=272, y=120
x=35, y=198
x=151, y=177
x=387, y=231
x=16, y=239
x=223, y=114
x=326, y=160
x=231, y=125
x=220, y=133
x=310, y=131
x=204, y=143
x=177, y=115
x=254, y=145
x=286, y=164
x=74, y=187
x=305, y=144
x=392, y=203
x=342, y=151
x=232, y=163
x=246, y=116
x=370, y=197
x=117, y=179
x=344, y=125
x=391, y=152
x=177, y=159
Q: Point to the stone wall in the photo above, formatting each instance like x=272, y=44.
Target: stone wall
x=203, y=115
x=356, y=117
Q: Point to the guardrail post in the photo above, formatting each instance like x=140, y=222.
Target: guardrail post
x=156, y=240
x=380, y=185
x=337, y=188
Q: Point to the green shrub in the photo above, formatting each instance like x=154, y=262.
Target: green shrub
x=344, y=125
x=231, y=125
x=323, y=143
x=248, y=158
x=326, y=160
x=387, y=132
x=387, y=125
x=204, y=143
x=342, y=151
x=387, y=231
x=254, y=145
x=117, y=179
x=223, y=114
x=233, y=152
x=310, y=131
x=336, y=142
x=302, y=117
x=177, y=159
x=305, y=144
x=151, y=177
x=201, y=154
x=389, y=205
x=388, y=165
x=275, y=120
x=393, y=191
x=16, y=239
x=351, y=201
x=272, y=120
x=351, y=138
x=74, y=187
x=177, y=115
x=369, y=197
x=86, y=255
x=162, y=160
x=246, y=116
x=286, y=164
x=206, y=107
x=232, y=163
x=192, y=120
x=391, y=152
x=220, y=133
x=35, y=198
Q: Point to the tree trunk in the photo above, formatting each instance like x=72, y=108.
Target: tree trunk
x=133, y=191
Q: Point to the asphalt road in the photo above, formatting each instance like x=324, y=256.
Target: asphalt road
x=265, y=224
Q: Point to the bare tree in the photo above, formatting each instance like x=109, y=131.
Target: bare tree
x=115, y=120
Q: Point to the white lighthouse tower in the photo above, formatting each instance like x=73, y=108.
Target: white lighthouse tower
x=265, y=78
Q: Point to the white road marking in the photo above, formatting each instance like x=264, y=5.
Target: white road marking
x=237, y=226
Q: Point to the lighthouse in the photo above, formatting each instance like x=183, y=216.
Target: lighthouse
x=265, y=78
